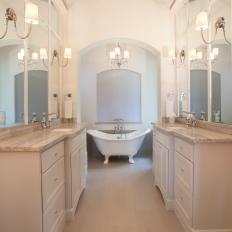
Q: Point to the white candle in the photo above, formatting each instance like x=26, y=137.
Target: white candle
x=126, y=54
x=112, y=55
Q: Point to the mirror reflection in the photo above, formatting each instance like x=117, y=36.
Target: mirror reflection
x=221, y=66
x=11, y=94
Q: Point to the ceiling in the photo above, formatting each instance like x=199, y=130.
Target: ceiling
x=167, y=3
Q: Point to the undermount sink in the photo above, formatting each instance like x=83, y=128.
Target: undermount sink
x=62, y=130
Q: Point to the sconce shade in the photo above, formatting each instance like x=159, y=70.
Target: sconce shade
x=35, y=56
x=126, y=54
x=216, y=51
x=202, y=21
x=31, y=13
x=172, y=54
x=199, y=56
x=20, y=56
x=68, y=53
x=193, y=54
x=43, y=53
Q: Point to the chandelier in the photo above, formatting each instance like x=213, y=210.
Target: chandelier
x=119, y=56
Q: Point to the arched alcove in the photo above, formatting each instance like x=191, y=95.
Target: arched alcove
x=94, y=59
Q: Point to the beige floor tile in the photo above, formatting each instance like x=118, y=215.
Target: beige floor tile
x=121, y=197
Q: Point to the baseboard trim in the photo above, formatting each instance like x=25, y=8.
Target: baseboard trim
x=187, y=228
x=70, y=213
x=169, y=204
x=219, y=230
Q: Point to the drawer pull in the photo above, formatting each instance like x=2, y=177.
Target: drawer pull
x=182, y=170
x=56, y=154
x=57, y=213
x=181, y=199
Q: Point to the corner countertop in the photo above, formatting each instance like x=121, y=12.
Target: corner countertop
x=39, y=140
x=193, y=135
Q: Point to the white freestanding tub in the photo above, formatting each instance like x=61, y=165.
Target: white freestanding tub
x=119, y=144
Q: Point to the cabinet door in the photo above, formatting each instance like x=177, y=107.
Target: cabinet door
x=83, y=168
x=76, y=175
x=158, y=164
x=164, y=170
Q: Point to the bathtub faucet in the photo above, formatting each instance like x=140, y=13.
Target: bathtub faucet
x=119, y=127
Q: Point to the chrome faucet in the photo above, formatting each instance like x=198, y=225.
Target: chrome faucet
x=191, y=120
x=47, y=120
x=119, y=127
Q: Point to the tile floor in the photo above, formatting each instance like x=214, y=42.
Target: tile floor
x=121, y=197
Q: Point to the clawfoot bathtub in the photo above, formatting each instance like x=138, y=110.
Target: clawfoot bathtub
x=119, y=144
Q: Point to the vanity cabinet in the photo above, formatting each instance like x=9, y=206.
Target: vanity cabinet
x=163, y=164
x=203, y=189
x=32, y=196
x=76, y=171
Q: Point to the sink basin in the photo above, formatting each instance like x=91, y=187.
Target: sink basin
x=62, y=130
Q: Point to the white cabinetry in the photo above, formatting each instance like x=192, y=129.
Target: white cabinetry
x=203, y=189
x=32, y=196
x=76, y=166
x=163, y=158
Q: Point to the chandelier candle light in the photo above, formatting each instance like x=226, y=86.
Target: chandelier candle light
x=119, y=56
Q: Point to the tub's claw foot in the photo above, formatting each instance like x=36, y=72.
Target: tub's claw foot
x=131, y=160
x=106, y=159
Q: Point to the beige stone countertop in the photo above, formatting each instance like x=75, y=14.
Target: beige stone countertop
x=194, y=135
x=39, y=140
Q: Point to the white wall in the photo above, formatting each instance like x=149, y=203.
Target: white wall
x=94, y=21
x=141, y=61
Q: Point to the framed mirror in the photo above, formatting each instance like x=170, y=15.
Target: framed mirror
x=198, y=63
x=11, y=94
x=37, y=68
x=221, y=66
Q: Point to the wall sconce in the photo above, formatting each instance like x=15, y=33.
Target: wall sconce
x=202, y=25
x=195, y=55
x=32, y=56
x=31, y=17
x=64, y=63
x=172, y=56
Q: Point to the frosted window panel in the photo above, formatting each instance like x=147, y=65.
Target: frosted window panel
x=119, y=96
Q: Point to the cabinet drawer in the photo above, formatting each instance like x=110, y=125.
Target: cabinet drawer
x=184, y=148
x=78, y=141
x=184, y=171
x=50, y=156
x=183, y=200
x=55, y=212
x=162, y=138
x=52, y=180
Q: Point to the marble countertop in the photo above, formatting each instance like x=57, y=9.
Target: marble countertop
x=39, y=140
x=194, y=135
